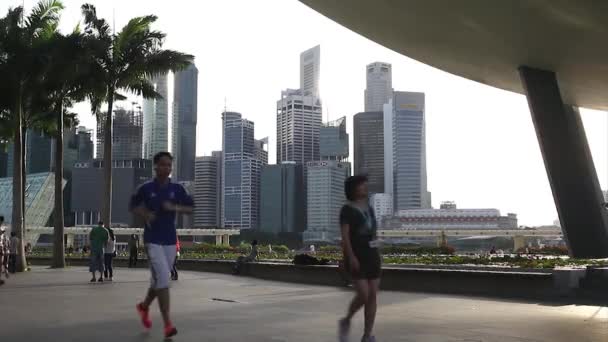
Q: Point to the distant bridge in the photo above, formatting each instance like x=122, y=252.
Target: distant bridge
x=518, y=235
x=222, y=236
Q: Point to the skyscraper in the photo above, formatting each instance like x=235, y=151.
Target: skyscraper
x=156, y=121
x=299, y=119
x=39, y=152
x=310, y=69
x=325, y=198
x=127, y=135
x=369, y=148
x=333, y=143
x=261, y=150
x=183, y=143
x=405, y=151
x=208, y=191
x=240, y=173
x=282, y=198
x=84, y=144
x=379, y=86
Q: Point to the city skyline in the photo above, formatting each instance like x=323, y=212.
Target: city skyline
x=479, y=154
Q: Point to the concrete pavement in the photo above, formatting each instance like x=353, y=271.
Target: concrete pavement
x=60, y=305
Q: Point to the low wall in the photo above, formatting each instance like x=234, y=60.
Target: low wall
x=506, y=284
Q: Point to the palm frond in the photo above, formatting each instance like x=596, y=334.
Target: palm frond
x=93, y=25
x=135, y=30
x=142, y=87
x=44, y=16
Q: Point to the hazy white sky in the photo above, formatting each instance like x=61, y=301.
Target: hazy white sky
x=481, y=146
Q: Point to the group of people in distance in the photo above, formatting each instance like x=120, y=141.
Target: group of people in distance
x=103, y=251
x=9, y=247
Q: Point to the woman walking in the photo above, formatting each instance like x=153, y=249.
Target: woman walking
x=108, y=256
x=361, y=255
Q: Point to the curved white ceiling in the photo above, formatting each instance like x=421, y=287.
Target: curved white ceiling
x=486, y=41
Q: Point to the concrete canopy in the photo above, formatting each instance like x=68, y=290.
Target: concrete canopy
x=486, y=41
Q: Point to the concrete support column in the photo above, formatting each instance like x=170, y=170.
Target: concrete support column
x=519, y=242
x=226, y=240
x=218, y=240
x=572, y=175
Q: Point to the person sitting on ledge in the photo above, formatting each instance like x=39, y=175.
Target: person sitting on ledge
x=253, y=255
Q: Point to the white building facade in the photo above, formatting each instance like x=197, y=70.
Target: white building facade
x=310, y=70
x=299, y=120
x=383, y=207
x=379, y=88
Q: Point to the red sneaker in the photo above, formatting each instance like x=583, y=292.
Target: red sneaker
x=170, y=331
x=144, y=314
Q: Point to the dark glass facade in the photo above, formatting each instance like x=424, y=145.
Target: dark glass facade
x=369, y=148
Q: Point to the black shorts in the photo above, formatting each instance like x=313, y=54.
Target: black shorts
x=370, y=264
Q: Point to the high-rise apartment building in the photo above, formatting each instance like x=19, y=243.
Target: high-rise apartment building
x=333, y=142
x=405, y=151
x=183, y=138
x=369, y=148
x=127, y=137
x=310, y=69
x=240, y=173
x=379, y=86
x=325, y=199
x=282, y=198
x=299, y=119
x=208, y=191
x=156, y=120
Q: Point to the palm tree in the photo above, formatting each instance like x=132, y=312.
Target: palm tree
x=70, y=78
x=21, y=69
x=128, y=60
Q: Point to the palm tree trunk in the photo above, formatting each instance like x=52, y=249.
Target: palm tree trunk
x=58, y=247
x=107, y=161
x=23, y=170
x=18, y=213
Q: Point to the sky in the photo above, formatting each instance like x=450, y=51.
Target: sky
x=482, y=150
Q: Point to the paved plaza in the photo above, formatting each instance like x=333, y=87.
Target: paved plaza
x=60, y=305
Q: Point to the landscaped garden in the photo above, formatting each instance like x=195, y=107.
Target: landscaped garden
x=537, y=258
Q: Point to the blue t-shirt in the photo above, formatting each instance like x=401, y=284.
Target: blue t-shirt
x=152, y=195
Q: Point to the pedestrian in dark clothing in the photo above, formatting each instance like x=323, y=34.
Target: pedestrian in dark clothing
x=133, y=250
x=361, y=254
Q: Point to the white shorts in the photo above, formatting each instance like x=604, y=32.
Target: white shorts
x=160, y=258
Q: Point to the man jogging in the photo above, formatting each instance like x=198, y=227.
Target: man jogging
x=158, y=202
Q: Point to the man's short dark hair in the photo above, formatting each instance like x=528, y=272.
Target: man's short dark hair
x=159, y=155
x=351, y=184
x=1, y=218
